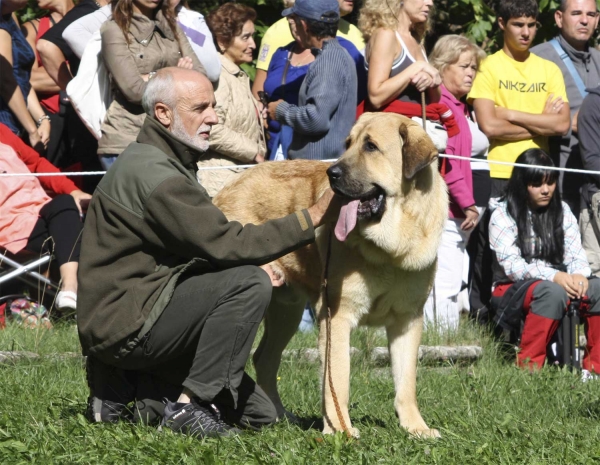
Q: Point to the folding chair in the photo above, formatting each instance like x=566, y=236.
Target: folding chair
x=25, y=272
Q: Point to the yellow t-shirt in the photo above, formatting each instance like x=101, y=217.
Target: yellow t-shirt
x=523, y=86
x=279, y=35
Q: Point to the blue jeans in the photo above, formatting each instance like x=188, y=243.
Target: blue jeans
x=107, y=161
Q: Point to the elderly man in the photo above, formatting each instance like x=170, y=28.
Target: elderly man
x=169, y=289
x=579, y=63
x=325, y=113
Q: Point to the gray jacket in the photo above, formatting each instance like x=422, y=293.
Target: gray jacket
x=326, y=107
x=589, y=138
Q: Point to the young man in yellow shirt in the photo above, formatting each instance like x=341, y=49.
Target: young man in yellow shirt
x=519, y=98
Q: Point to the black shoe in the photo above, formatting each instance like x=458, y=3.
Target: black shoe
x=196, y=419
x=111, y=390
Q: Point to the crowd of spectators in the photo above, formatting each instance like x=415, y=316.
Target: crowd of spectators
x=315, y=74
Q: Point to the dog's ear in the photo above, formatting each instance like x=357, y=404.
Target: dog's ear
x=418, y=150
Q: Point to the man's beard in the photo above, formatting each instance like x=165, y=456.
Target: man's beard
x=178, y=130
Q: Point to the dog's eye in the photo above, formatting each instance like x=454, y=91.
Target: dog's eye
x=370, y=146
x=348, y=142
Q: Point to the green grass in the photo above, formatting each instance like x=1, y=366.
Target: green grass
x=488, y=412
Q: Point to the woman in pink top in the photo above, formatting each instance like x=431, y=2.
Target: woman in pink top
x=28, y=216
x=457, y=60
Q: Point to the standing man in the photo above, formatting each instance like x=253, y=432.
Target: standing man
x=519, y=101
x=580, y=65
x=168, y=287
x=327, y=101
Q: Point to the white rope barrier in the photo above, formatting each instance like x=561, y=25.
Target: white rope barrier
x=228, y=167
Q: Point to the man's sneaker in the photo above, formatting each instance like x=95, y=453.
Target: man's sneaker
x=111, y=390
x=196, y=419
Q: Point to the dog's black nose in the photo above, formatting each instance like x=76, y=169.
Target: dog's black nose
x=334, y=172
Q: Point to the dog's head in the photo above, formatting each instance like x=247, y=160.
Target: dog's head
x=384, y=150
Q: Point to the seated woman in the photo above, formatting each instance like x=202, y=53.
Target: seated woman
x=28, y=216
x=542, y=264
x=239, y=137
x=457, y=59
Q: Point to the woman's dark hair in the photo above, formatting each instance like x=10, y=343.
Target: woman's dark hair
x=122, y=12
x=227, y=21
x=547, y=222
x=516, y=8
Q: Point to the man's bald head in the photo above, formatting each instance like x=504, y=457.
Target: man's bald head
x=183, y=101
x=168, y=84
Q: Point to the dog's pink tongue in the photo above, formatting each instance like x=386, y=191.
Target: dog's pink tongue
x=347, y=220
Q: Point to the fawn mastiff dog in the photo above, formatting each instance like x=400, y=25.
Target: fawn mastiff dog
x=382, y=257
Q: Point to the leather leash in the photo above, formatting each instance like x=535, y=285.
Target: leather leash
x=336, y=402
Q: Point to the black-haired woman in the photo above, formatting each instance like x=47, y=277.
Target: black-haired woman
x=542, y=264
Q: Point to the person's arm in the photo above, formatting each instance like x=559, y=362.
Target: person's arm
x=78, y=34
x=39, y=115
x=10, y=91
x=41, y=82
x=120, y=63
x=259, y=82
x=54, y=63
x=575, y=257
x=546, y=124
x=190, y=227
x=503, y=241
x=203, y=45
x=497, y=128
x=381, y=88
x=224, y=139
x=187, y=52
x=589, y=135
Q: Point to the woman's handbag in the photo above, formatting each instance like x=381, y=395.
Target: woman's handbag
x=90, y=91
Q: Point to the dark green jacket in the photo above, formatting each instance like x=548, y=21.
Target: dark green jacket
x=149, y=220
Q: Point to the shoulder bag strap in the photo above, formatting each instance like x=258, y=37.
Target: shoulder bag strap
x=570, y=67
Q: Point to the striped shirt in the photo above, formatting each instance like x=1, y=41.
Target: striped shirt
x=326, y=107
x=503, y=241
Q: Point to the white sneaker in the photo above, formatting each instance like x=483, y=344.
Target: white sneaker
x=588, y=376
x=66, y=300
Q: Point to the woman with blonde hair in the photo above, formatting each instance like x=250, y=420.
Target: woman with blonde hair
x=394, y=56
x=457, y=59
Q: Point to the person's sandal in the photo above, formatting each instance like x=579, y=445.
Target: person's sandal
x=66, y=301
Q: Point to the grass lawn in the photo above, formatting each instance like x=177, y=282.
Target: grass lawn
x=488, y=412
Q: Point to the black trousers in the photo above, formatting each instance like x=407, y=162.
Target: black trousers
x=60, y=220
x=202, y=341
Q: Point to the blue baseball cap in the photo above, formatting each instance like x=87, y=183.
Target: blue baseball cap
x=318, y=10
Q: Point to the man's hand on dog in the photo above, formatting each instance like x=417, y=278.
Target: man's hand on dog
x=277, y=279
x=326, y=210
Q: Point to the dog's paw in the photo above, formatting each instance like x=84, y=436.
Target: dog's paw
x=425, y=433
